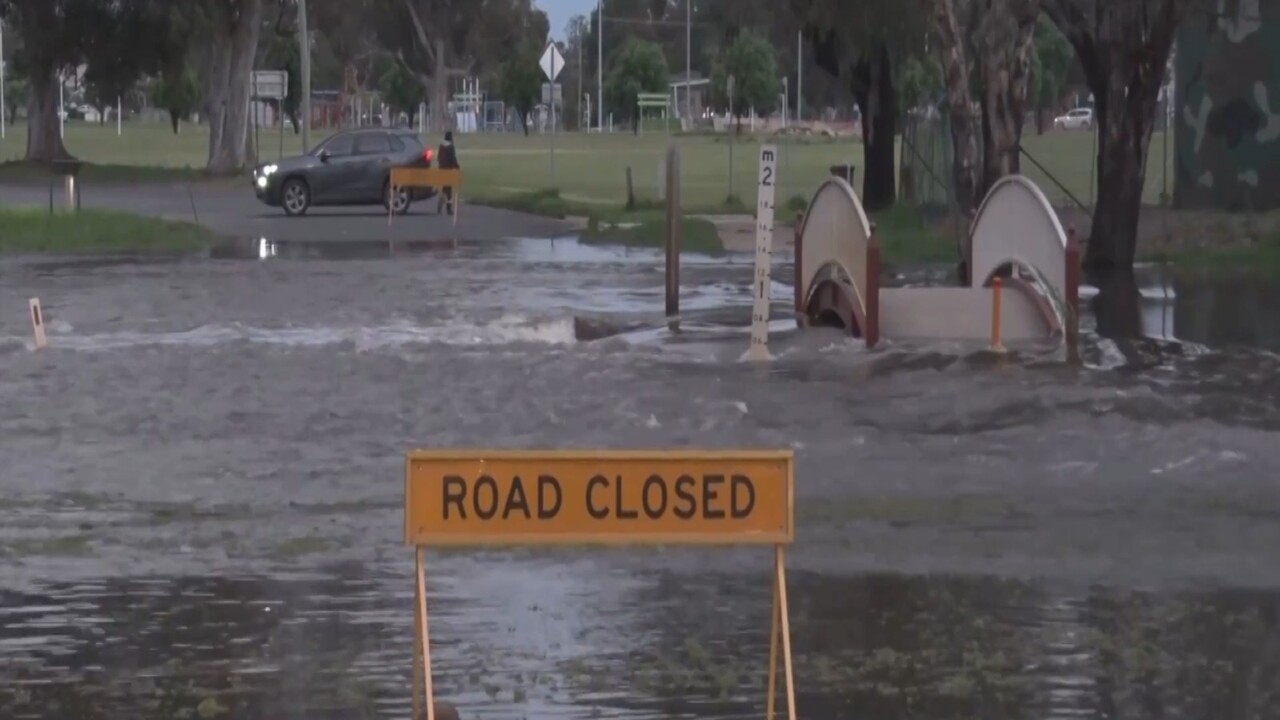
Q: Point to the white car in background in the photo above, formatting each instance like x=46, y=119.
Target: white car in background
x=1078, y=119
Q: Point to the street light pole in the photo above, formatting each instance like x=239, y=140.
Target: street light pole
x=305, y=62
x=688, y=61
x=3, y=110
x=600, y=65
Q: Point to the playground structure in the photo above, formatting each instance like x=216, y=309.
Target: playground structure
x=1022, y=273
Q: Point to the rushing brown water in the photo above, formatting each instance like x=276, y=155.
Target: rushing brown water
x=200, y=485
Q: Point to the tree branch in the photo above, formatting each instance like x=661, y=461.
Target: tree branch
x=424, y=39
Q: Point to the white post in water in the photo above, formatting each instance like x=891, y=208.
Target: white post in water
x=37, y=323
x=759, y=350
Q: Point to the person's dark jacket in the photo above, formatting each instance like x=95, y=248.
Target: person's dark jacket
x=448, y=155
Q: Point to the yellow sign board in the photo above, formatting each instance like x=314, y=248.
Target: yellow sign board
x=487, y=497
x=426, y=177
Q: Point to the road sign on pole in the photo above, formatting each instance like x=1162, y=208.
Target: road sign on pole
x=768, y=180
x=552, y=63
x=270, y=84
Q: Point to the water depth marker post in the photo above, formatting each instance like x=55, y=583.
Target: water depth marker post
x=767, y=188
x=487, y=498
x=37, y=323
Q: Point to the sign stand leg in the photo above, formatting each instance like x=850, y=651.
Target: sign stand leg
x=780, y=564
x=773, y=652
x=417, y=657
x=425, y=642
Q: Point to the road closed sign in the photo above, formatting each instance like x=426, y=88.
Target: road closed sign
x=599, y=497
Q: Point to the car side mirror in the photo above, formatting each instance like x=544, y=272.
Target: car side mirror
x=324, y=156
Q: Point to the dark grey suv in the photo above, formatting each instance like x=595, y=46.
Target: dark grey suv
x=352, y=167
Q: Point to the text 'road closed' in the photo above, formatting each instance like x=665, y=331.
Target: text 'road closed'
x=598, y=497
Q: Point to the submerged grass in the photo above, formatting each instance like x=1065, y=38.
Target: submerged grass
x=35, y=230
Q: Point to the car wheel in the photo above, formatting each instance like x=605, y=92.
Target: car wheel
x=295, y=196
x=399, y=203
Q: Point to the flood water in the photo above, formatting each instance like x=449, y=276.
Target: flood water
x=201, y=483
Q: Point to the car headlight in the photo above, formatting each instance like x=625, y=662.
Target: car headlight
x=267, y=170
x=262, y=182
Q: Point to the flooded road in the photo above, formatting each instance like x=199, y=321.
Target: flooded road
x=201, y=478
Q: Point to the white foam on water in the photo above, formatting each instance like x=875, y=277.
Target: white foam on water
x=508, y=329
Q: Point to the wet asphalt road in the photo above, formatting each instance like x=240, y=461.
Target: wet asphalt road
x=232, y=210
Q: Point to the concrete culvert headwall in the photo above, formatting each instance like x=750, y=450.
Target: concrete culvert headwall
x=1015, y=234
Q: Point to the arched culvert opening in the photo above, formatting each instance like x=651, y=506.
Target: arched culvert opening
x=835, y=304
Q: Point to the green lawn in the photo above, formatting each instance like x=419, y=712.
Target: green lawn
x=590, y=169
x=30, y=230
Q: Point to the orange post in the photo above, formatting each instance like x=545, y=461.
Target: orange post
x=996, y=345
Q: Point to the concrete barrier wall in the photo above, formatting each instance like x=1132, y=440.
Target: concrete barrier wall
x=958, y=313
x=1016, y=224
x=835, y=230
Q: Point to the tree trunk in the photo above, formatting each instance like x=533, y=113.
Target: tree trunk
x=1123, y=49
x=963, y=112
x=234, y=50
x=1006, y=41
x=44, y=130
x=1124, y=134
x=439, y=84
x=524, y=121
x=174, y=117
x=877, y=97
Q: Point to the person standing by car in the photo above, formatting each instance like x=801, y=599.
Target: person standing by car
x=448, y=159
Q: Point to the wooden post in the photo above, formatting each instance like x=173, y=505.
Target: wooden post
x=996, y=345
x=674, y=221
x=418, y=688
x=966, y=272
x=773, y=653
x=37, y=323
x=1072, y=300
x=780, y=565
x=799, y=270
x=871, y=333
x=631, y=191
x=424, y=635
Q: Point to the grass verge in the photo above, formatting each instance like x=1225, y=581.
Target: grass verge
x=696, y=234
x=34, y=230
x=21, y=172
x=907, y=236
x=1262, y=256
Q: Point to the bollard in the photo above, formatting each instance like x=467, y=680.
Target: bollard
x=37, y=324
x=996, y=344
x=673, y=238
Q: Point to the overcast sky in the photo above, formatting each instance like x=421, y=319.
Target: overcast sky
x=559, y=12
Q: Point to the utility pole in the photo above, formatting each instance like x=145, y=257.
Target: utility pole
x=4, y=111
x=578, y=123
x=600, y=64
x=799, y=73
x=305, y=62
x=688, y=61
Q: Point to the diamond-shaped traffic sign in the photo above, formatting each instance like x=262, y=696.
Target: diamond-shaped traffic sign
x=552, y=62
